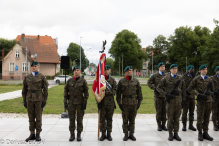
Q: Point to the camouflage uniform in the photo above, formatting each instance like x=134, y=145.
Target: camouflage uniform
x=33, y=95
x=131, y=96
x=159, y=101
x=74, y=90
x=215, y=109
x=203, y=111
x=189, y=103
x=174, y=107
x=108, y=106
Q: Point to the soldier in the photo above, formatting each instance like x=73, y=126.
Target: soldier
x=190, y=101
x=73, y=93
x=173, y=107
x=130, y=89
x=35, y=100
x=159, y=100
x=215, y=109
x=107, y=106
x=197, y=87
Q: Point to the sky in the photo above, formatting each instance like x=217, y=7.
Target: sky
x=98, y=20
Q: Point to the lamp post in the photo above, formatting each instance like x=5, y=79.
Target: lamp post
x=80, y=52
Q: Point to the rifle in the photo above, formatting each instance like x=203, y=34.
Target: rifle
x=176, y=86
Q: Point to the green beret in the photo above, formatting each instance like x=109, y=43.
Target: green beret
x=203, y=66
x=190, y=67
x=161, y=63
x=107, y=67
x=173, y=65
x=127, y=68
x=76, y=67
x=217, y=68
x=35, y=63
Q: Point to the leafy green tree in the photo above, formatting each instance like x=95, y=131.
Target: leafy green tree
x=127, y=44
x=73, y=51
x=5, y=45
x=159, y=50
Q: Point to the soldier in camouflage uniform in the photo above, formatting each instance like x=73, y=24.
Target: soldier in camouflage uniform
x=173, y=107
x=107, y=106
x=77, y=102
x=190, y=101
x=197, y=87
x=159, y=101
x=35, y=100
x=215, y=109
x=130, y=89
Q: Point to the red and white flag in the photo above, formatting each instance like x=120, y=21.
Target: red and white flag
x=99, y=84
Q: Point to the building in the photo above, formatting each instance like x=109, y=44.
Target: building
x=42, y=49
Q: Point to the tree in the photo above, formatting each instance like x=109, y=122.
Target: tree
x=127, y=44
x=92, y=64
x=159, y=50
x=5, y=45
x=73, y=51
x=110, y=62
x=211, y=50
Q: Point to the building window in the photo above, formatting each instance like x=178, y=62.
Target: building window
x=11, y=67
x=144, y=65
x=17, y=54
x=25, y=67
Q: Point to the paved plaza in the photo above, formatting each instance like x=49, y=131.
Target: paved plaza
x=55, y=133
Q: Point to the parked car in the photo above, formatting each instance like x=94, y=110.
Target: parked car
x=61, y=78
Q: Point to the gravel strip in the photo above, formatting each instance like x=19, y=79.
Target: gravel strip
x=16, y=115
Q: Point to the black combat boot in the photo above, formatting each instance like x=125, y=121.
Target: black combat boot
x=109, y=137
x=31, y=137
x=38, y=138
x=159, y=128
x=200, y=136
x=176, y=136
x=78, y=136
x=191, y=127
x=132, y=137
x=207, y=136
x=215, y=128
x=72, y=136
x=103, y=136
x=170, y=138
x=184, y=127
x=163, y=126
x=125, y=138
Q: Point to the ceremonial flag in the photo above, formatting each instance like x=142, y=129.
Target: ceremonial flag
x=99, y=84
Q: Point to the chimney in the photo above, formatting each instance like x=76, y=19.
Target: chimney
x=22, y=35
x=38, y=37
x=3, y=54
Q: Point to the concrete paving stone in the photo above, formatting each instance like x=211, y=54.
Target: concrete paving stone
x=137, y=143
x=103, y=143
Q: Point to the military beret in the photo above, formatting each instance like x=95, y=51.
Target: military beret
x=76, y=67
x=203, y=66
x=217, y=68
x=107, y=67
x=190, y=67
x=35, y=63
x=173, y=65
x=127, y=68
x=161, y=63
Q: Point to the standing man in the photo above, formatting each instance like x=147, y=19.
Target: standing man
x=215, y=109
x=159, y=100
x=190, y=101
x=173, y=106
x=204, y=101
x=76, y=93
x=130, y=89
x=35, y=93
x=107, y=106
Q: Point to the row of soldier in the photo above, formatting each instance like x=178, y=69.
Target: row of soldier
x=128, y=96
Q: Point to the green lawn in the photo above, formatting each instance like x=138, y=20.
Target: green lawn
x=55, y=103
x=5, y=89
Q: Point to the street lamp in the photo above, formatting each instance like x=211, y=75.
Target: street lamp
x=80, y=52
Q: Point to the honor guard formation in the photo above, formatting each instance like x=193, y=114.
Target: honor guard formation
x=173, y=95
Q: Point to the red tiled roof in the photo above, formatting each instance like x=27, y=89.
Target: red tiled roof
x=44, y=47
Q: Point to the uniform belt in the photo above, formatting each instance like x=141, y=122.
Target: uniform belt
x=34, y=91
